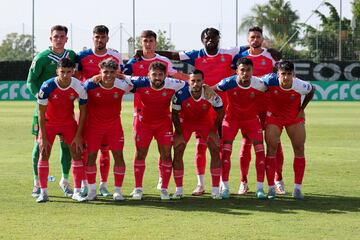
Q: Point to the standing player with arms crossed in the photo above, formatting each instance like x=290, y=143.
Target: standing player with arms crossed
x=191, y=104
x=88, y=66
x=43, y=68
x=263, y=63
x=288, y=97
x=56, y=117
x=104, y=124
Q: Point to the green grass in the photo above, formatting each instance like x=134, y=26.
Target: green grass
x=331, y=209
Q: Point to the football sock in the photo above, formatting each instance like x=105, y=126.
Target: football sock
x=35, y=158
x=299, y=169
x=215, y=177
x=260, y=162
x=119, y=173
x=200, y=179
x=245, y=158
x=178, y=177
x=226, y=163
x=226, y=184
x=43, y=170
x=159, y=167
x=65, y=159
x=91, y=174
x=117, y=189
x=78, y=172
x=166, y=168
x=104, y=163
x=270, y=169
x=200, y=156
x=139, y=169
x=179, y=190
x=215, y=190
x=279, y=163
x=259, y=185
x=297, y=186
x=44, y=191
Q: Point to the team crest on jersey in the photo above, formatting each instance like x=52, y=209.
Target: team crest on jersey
x=164, y=94
x=292, y=97
x=204, y=106
x=72, y=97
x=222, y=59
x=116, y=95
x=263, y=62
x=188, y=105
x=252, y=95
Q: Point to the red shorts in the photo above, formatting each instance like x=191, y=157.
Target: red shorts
x=250, y=128
x=202, y=132
x=262, y=117
x=144, y=132
x=282, y=122
x=112, y=137
x=67, y=132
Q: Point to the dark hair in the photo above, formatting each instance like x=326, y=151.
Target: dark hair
x=157, y=66
x=109, y=63
x=285, y=65
x=65, y=63
x=255, y=29
x=101, y=29
x=59, y=28
x=197, y=71
x=208, y=30
x=245, y=61
x=148, y=34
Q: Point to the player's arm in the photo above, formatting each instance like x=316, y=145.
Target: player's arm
x=79, y=132
x=180, y=75
x=275, y=54
x=218, y=106
x=305, y=102
x=178, y=136
x=43, y=144
x=35, y=71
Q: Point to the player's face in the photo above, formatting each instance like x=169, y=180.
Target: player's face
x=286, y=78
x=211, y=41
x=100, y=40
x=64, y=74
x=157, y=78
x=58, y=39
x=108, y=75
x=148, y=44
x=255, y=39
x=244, y=73
x=195, y=82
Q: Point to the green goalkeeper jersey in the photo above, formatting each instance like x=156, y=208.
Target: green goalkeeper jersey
x=43, y=67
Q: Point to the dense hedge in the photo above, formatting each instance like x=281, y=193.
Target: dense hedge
x=14, y=70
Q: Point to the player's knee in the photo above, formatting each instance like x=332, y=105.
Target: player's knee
x=91, y=158
x=140, y=153
x=299, y=150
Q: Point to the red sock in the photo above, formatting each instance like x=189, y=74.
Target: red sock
x=279, y=163
x=200, y=156
x=178, y=177
x=159, y=167
x=78, y=172
x=260, y=162
x=299, y=169
x=215, y=176
x=84, y=157
x=43, y=172
x=119, y=173
x=91, y=174
x=270, y=169
x=104, y=163
x=139, y=169
x=226, y=162
x=245, y=158
x=166, y=168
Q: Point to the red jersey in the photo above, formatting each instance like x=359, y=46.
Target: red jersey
x=104, y=104
x=285, y=103
x=88, y=62
x=242, y=100
x=195, y=111
x=60, y=101
x=155, y=102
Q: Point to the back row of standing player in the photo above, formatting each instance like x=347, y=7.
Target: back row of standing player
x=216, y=64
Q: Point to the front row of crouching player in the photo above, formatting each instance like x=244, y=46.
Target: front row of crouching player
x=194, y=106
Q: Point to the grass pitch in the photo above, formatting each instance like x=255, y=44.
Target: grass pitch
x=331, y=209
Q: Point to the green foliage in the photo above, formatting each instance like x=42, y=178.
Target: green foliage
x=16, y=47
x=330, y=210
x=163, y=42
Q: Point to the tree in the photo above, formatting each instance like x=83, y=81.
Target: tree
x=163, y=43
x=16, y=47
x=356, y=27
x=323, y=43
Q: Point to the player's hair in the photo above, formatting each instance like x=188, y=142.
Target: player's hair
x=101, y=29
x=255, y=29
x=109, y=63
x=244, y=61
x=198, y=71
x=157, y=66
x=65, y=63
x=209, y=30
x=148, y=34
x=59, y=28
x=285, y=65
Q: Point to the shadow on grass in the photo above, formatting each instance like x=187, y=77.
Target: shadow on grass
x=238, y=205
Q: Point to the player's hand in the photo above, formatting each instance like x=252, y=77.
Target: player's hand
x=44, y=147
x=276, y=55
x=78, y=144
x=208, y=92
x=96, y=78
x=301, y=114
x=178, y=139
